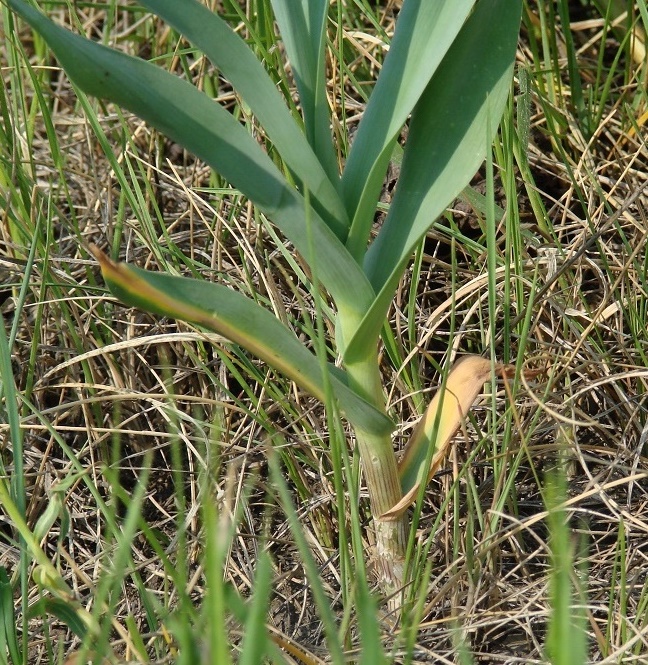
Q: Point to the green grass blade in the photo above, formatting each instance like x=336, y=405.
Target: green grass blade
x=566, y=633
x=8, y=633
x=322, y=603
x=189, y=117
x=242, y=69
x=373, y=651
x=446, y=144
x=10, y=411
x=255, y=639
x=215, y=608
x=424, y=32
x=45, y=573
x=303, y=29
x=242, y=321
x=107, y=593
x=576, y=84
x=9, y=394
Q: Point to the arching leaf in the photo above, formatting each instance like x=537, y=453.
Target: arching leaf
x=239, y=319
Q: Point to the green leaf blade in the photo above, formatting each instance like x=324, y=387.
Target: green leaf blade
x=302, y=24
x=255, y=640
x=9, y=641
x=447, y=140
x=225, y=48
x=242, y=321
x=424, y=33
x=189, y=117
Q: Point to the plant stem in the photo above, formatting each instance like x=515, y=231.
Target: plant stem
x=381, y=474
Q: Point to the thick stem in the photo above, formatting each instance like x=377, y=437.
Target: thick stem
x=381, y=475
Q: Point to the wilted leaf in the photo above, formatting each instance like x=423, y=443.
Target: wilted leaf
x=438, y=426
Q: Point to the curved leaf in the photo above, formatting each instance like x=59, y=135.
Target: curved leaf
x=424, y=32
x=239, y=319
x=438, y=426
x=214, y=37
x=188, y=116
x=63, y=610
x=447, y=142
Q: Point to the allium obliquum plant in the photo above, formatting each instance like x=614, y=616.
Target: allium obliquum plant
x=447, y=74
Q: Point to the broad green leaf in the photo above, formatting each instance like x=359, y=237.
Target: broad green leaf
x=302, y=24
x=238, y=64
x=447, y=140
x=244, y=322
x=189, y=117
x=424, y=32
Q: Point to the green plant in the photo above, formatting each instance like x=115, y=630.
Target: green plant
x=449, y=68
x=566, y=635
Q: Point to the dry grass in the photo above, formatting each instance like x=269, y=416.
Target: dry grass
x=125, y=390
